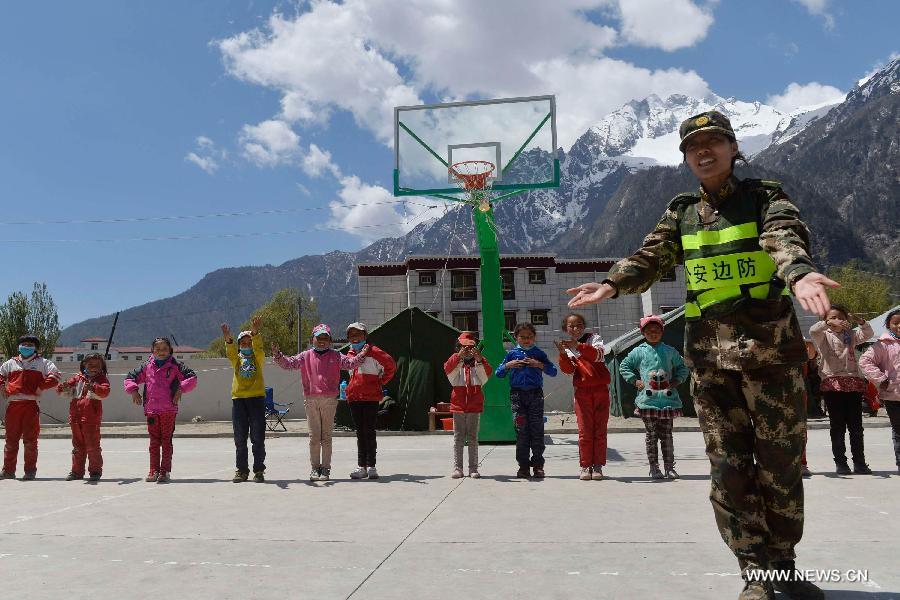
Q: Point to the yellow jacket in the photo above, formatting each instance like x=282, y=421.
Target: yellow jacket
x=247, y=381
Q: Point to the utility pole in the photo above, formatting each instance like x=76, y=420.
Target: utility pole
x=111, y=334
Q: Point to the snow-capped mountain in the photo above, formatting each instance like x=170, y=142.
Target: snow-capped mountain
x=839, y=163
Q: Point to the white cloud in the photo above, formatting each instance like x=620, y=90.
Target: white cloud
x=206, y=154
x=317, y=161
x=368, y=211
x=819, y=8
x=666, y=24
x=269, y=143
x=807, y=96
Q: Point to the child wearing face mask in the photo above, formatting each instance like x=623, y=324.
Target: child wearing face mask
x=165, y=380
x=88, y=388
x=22, y=380
x=364, y=392
x=248, y=400
x=320, y=373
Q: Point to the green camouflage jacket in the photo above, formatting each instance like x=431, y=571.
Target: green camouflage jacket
x=745, y=333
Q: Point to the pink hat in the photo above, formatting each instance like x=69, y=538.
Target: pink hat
x=466, y=338
x=652, y=319
x=321, y=329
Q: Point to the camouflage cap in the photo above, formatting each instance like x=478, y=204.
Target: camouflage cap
x=711, y=120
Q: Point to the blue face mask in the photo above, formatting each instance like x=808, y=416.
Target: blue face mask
x=528, y=347
x=247, y=351
x=27, y=351
x=321, y=350
x=160, y=361
x=357, y=346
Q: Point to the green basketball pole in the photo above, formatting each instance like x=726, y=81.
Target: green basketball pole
x=497, y=420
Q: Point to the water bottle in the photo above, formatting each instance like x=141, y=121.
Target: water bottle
x=343, y=389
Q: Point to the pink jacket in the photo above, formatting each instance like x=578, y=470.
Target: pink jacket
x=881, y=363
x=320, y=373
x=160, y=384
x=837, y=357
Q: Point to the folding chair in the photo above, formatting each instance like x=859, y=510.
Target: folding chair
x=275, y=411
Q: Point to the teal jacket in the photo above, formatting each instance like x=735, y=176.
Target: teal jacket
x=661, y=368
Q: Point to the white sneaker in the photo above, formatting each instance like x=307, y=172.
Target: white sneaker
x=373, y=474
x=314, y=475
x=325, y=474
x=585, y=474
x=474, y=474
x=457, y=474
x=359, y=473
x=597, y=472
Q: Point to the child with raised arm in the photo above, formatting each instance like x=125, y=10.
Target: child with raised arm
x=248, y=400
x=881, y=365
x=87, y=389
x=656, y=370
x=165, y=380
x=23, y=379
x=526, y=365
x=467, y=371
x=320, y=373
x=581, y=356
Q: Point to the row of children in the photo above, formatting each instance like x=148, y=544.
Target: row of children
x=23, y=378
x=844, y=379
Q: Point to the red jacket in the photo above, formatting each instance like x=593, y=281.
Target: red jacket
x=467, y=396
x=587, y=370
x=366, y=380
x=86, y=395
x=25, y=379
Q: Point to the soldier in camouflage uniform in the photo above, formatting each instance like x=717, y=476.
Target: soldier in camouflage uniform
x=744, y=248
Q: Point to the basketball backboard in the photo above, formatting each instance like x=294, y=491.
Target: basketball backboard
x=517, y=135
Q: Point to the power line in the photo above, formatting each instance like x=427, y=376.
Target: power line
x=204, y=215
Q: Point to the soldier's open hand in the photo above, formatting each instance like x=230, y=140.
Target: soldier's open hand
x=590, y=293
x=810, y=292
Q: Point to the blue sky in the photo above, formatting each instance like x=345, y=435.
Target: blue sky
x=123, y=110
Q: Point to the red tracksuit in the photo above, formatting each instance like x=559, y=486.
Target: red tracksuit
x=23, y=380
x=591, y=380
x=85, y=415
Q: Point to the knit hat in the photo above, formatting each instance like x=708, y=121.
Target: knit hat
x=321, y=329
x=466, y=338
x=652, y=319
x=244, y=334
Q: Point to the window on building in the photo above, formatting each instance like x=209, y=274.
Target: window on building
x=95, y=347
x=509, y=319
x=462, y=286
x=509, y=285
x=124, y=357
x=540, y=317
x=179, y=356
x=466, y=321
x=80, y=357
x=538, y=276
x=668, y=275
x=137, y=358
x=427, y=277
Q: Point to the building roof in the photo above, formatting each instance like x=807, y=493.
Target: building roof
x=507, y=261
x=94, y=339
x=146, y=350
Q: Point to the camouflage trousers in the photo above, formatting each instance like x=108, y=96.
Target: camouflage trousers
x=754, y=423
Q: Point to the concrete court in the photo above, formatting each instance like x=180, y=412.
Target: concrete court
x=417, y=533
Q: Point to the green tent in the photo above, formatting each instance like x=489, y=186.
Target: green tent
x=420, y=344
x=621, y=394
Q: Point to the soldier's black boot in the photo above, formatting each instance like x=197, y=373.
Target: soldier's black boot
x=841, y=467
x=787, y=582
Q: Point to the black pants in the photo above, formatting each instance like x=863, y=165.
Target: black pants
x=364, y=415
x=248, y=415
x=845, y=414
x=528, y=412
x=893, y=411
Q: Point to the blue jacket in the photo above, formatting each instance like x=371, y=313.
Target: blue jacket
x=661, y=368
x=526, y=378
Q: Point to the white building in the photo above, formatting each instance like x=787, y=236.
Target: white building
x=64, y=354
x=534, y=290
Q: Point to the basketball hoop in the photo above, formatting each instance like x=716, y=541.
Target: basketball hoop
x=474, y=178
